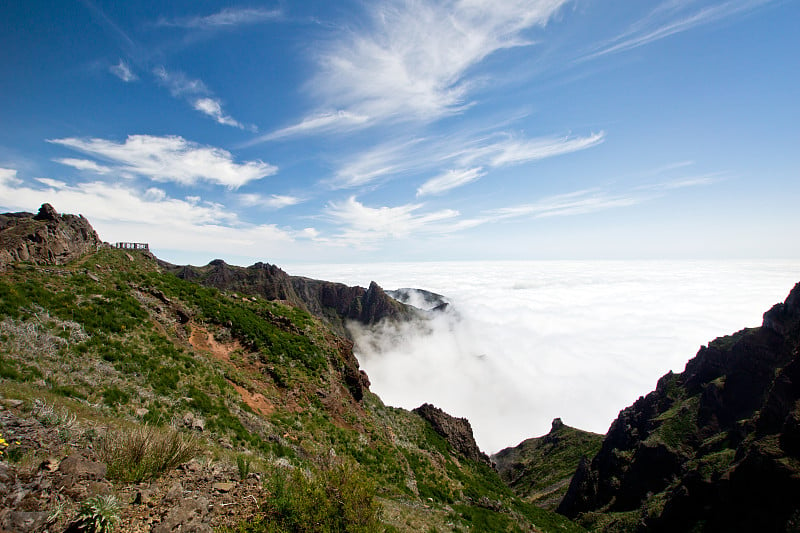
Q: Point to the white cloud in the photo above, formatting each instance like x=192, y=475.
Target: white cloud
x=413, y=59
x=273, y=201
x=497, y=150
x=364, y=226
x=197, y=95
x=380, y=161
x=179, y=84
x=226, y=18
x=172, y=159
x=450, y=180
x=123, y=71
x=319, y=122
x=213, y=108
x=84, y=164
x=575, y=203
x=670, y=18
x=521, y=151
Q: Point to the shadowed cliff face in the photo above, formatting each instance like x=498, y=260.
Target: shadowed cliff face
x=45, y=238
x=336, y=303
x=456, y=431
x=716, y=447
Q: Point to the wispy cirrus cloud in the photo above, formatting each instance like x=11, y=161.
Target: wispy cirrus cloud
x=450, y=180
x=196, y=93
x=224, y=19
x=169, y=159
x=574, y=203
x=364, y=226
x=340, y=120
x=672, y=17
x=84, y=164
x=413, y=57
x=453, y=157
x=123, y=71
x=273, y=201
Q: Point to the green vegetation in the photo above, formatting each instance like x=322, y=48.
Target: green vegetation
x=165, y=370
x=98, y=514
x=143, y=452
x=330, y=498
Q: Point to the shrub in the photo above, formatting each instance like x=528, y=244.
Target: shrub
x=98, y=514
x=144, y=452
x=331, y=499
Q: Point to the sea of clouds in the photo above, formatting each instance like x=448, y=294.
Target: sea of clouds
x=525, y=342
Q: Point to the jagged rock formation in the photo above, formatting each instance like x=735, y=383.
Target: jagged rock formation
x=714, y=448
x=45, y=238
x=336, y=303
x=456, y=431
x=539, y=470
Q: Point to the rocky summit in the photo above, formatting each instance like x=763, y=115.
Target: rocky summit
x=714, y=448
x=45, y=238
x=539, y=470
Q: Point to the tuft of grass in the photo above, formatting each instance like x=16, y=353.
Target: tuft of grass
x=243, y=465
x=144, y=452
x=98, y=514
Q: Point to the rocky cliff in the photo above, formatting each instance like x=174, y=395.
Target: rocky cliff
x=456, y=431
x=45, y=238
x=336, y=303
x=714, y=448
x=539, y=470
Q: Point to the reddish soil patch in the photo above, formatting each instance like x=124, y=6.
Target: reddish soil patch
x=255, y=400
x=204, y=341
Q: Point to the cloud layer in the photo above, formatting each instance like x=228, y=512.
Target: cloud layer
x=531, y=341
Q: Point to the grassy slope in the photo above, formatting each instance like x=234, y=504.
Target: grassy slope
x=539, y=469
x=111, y=337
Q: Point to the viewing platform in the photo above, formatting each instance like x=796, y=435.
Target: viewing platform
x=132, y=246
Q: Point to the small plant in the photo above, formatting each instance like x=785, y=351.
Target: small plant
x=98, y=514
x=243, y=464
x=3, y=444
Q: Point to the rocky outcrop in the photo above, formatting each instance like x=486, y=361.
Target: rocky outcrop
x=336, y=303
x=456, y=431
x=539, y=470
x=714, y=448
x=45, y=238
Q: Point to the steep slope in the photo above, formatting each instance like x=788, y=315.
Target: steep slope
x=539, y=470
x=110, y=353
x=714, y=448
x=335, y=303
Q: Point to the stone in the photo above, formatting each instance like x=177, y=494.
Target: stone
x=82, y=467
x=46, y=212
x=223, y=486
x=21, y=521
x=187, y=515
x=174, y=493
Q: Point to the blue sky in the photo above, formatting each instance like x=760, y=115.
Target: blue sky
x=396, y=130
